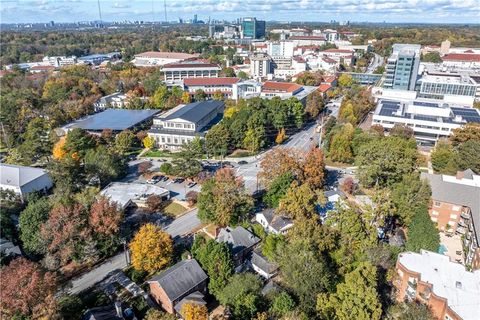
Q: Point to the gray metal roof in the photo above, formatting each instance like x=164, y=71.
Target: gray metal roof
x=114, y=119
x=457, y=193
x=238, y=238
x=180, y=278
x=18, y=176
x=196, y=111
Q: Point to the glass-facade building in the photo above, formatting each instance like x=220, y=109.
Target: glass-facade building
x=437, y=87
x=402, y=67
x=253, y=28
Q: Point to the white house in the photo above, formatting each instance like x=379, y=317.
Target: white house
x=262, y=266
x=23, y=180
x=272, y=222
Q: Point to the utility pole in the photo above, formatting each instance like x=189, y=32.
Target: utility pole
x=99, y=11
x=320, y=134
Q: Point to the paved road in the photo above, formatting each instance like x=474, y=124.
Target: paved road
x=178, y=227
x=376, y=62
x=300, y=141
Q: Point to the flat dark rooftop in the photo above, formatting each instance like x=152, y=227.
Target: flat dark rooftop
x=114, y=119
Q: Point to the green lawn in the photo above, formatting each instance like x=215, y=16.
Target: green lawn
x=156, y=154
x=174, y=209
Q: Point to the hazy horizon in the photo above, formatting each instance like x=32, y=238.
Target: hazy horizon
x=398, y=11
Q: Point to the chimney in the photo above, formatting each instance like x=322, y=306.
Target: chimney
x=459, y=175
x=118, y=308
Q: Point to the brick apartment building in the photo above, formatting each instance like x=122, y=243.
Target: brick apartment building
x=451, y=292
x=455, y=207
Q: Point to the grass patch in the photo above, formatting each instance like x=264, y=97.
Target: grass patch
x=157, y=154
x=331, y=163
x=174, y=209
x=239, y=153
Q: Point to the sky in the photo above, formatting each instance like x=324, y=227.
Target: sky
x=416, y=11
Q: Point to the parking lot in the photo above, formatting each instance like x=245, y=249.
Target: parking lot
x=178, y=190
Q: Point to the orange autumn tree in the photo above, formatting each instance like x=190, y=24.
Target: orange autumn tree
x=58, y=149
x=27, y=292
x=105, y=218
x=281, y=136
x=151, y=248
x=193, y=311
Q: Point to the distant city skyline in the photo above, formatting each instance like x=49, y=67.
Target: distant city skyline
x=400, y=11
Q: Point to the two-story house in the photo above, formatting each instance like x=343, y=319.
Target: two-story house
x=172, y=129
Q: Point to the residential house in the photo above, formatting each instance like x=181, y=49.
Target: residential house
x=455, y=208
x=184, y=280
x=284, y=90
x=241, y=243
x=114, y=100
x=272, y=222
x=333, y=201
x=23, y=180
x=180, y=125
x=262, y=266
x=450, y=291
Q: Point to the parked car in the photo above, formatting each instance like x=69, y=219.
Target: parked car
x=191, y=184
x=165, y=178
x=178, y=180
x=242, y=162
x=154, y=180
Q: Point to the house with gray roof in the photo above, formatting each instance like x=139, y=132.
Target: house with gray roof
x=273, y=222
x=172, y=129
x=241, y=243
x=184, y=279
x=456, y=209
x=23, y=180
x=262, y=266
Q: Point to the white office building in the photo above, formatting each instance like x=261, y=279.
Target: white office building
x=60, y=61
x=176, y=72
x=437, y=86
x=402, y=67
x=280, y=49
x=260, y=65
x=430, y=119
x=158, y=59
x=180, y=125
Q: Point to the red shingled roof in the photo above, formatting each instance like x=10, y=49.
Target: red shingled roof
x=462, y=57
x=210, y=81
x=324, y=88
x=329, y=79
x=192, y=65
x=280, y=86
x=338, y=50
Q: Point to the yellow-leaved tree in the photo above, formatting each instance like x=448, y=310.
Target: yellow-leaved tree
x=151, y=249
x=193, y=311
x=148, y=142
x=281, y=136
x=58, y=150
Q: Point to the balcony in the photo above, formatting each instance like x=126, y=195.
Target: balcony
x=461, y=230
x=465, y=215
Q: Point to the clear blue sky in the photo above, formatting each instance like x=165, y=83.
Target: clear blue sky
x=429, y=11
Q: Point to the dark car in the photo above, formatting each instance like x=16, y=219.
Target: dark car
x=178, y=180
x=241, y=162
x=191, y=184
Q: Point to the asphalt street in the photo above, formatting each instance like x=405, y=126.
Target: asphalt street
x=178, y=227
x=376, y=62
